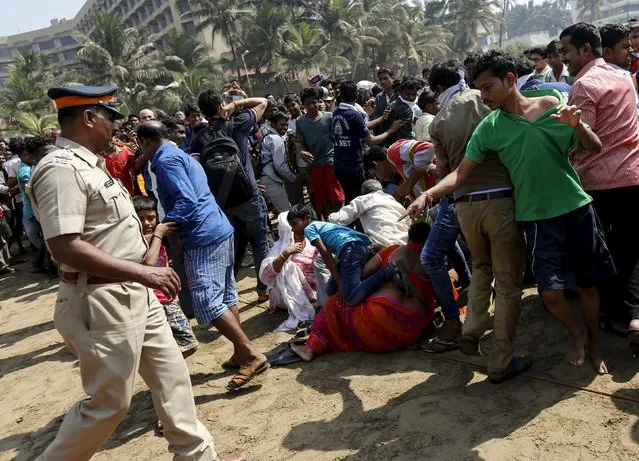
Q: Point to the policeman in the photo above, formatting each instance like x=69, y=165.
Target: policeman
x=105, y=311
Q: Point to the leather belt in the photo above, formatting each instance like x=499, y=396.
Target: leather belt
x=72, y=277
x=486, y=196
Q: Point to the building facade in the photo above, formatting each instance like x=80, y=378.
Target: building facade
x=611, y=11
x=58, y=43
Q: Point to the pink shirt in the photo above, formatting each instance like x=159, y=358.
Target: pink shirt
x=608, y=104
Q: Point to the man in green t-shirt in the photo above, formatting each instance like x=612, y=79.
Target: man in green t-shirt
x=533, y=133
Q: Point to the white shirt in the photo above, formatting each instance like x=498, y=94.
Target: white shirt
x=379, y=214
x=422, y=126
x=11, y=167
x=563, y=78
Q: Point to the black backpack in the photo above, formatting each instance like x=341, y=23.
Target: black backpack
x=222, y=162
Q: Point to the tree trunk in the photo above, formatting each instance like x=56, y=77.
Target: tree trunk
x=503, y=20
x=229, y=40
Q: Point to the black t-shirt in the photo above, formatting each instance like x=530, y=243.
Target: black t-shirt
x=399, y=111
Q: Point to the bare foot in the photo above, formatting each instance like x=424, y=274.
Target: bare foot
x=577, y=355
x=304, y=352
x=597, y=360
x=232, y=457
x=257, y=361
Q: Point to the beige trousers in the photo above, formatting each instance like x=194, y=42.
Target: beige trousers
x=498, y=252
x=116, y=330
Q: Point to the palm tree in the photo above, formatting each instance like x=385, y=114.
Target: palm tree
x=264, y=25
x=35, y=124
x=184, y=53
x=303, y=49
x=118, y=55
x=222, y=16
x=507, y=5
x=466, y=17
x=590, y=9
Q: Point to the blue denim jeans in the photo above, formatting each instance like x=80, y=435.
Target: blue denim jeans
x=441, y=242
x=351, y=262
x=249, y=222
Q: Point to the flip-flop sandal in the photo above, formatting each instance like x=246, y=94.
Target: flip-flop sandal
x=518, y=366
x=245, y=375
x=633, y=336
x=230, y=364
x=439, y=346
x=7, y=270
x=284, y=357
x=401, y=279
x=468, y=346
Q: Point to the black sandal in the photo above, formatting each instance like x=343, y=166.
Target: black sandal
x=518, y=366
x=284, y=357
x=401, y=279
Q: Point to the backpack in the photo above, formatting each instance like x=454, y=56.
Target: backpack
x=222, y=162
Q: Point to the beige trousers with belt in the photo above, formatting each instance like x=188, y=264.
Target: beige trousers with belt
x=116, y=330
x=498, y=252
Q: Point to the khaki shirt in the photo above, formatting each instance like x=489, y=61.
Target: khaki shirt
x=73, y=193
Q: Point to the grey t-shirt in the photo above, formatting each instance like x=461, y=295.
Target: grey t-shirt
x=317, y=138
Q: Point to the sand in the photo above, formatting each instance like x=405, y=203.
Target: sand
x=406, y=405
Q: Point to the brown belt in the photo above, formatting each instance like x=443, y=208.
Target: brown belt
x=72, y=277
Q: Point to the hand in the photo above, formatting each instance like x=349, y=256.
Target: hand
x=307, y=156
x=416, y=209
x=431, y=170
x=568, y=115
x=402, y=191
x=165, y=229
x=261, y=188
x=161, y=278
x=293, y=249
x=396, y=126
x=387, y=113
x=229, y=109
x=369, y=107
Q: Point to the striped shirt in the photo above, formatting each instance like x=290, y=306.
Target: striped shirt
x=607, y=102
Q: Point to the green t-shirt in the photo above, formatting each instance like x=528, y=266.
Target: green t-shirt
x=536, y=156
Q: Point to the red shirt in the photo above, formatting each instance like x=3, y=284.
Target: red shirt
x=121, y=165
x=608, y=103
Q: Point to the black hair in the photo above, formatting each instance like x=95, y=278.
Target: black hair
x=153, y=130
x=498, y=63
x=408, y=83
x=310, y=92
x=327, y=82
x=376, y=90
x=471, y=58
x=301, y=211
x=291, y=97
x=633, y=23
x=199, y=126
x=279, y=116
x=446, y=74
x=418, y=232
x=553, y=47
x=582, y=33
x=374, y=154
x=132, y=116
x=426, y=98
x=68, y=114
x=33, y=143
x=191, y=108
x=540, y=51
x=425, y=70
x=386, y=70
x=348, y=91
x=172, y=123
x=143, y=203
x=16, y=145
x=524, y=66
x=612, y=34
x=210, y=102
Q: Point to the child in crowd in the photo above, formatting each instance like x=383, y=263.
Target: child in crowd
x=157, y=256
x=353, y=250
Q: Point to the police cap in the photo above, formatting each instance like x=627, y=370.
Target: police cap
x=75, y=96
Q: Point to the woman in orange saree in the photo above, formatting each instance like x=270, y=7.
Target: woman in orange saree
x=388, y=320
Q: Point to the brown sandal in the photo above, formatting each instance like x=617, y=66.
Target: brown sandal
x=230, y=364
x=245, y=375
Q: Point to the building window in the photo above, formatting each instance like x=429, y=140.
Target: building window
x=162, y=22
x=67, y=41
x=169, y=16
x=158, y=3
x=4, y=68
x=159, y=46
x=155, y=27
x=69, y=55
x=54, y=57
x=183, y=6
x=46, y=45
x=5, y=52
x=188, y=26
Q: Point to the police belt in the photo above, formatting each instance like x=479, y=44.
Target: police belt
x=72, y=277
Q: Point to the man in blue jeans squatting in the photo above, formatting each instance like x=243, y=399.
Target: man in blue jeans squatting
x=352, y=248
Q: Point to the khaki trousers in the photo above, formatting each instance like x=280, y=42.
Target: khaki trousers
x=116, y=330
x=498, y=252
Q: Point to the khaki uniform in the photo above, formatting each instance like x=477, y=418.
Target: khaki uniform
x=114, y=329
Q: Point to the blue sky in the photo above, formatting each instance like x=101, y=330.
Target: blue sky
x=25, y=15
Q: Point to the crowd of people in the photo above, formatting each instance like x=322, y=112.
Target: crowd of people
x=502, y=163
